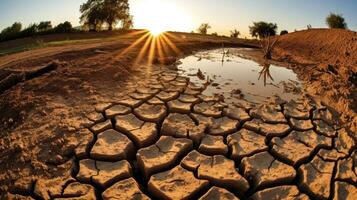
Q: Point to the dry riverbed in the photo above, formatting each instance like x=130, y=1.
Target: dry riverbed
x=99, y=126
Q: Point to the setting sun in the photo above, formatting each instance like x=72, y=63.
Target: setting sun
x=159, y=16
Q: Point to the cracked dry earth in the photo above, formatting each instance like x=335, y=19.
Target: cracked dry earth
x=167, y=141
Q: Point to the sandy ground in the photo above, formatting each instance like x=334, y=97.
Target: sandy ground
x=45, y=122
x=327, y=60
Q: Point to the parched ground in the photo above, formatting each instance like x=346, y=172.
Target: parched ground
x=100, y=126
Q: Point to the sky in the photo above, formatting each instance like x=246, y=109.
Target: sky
x=222, y=15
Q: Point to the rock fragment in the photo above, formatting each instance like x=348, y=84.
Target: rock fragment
x=117, y=110
x=222, y=172
x=236, y=113
x=155, y=101
x=151, y=113
x=188, y=98
x=264, y=170
x=324, y=129
x=78, y=191
x=299, y=146
x=316, y=177
x=208, y=109
x=177, y=106
x=140, y=132
x=223, y=126
x=125, y=189
x=345, y=191
x=344, y=143
x=176, y=183
x=167, y=96
x=297, y=110
x=246, y=143
x=131, y=102
x=95, y=117
x=216, y=193
x=112, y=145
x=301, y=124
x=268, y=113
x=140, y=96
x=111, y=172
x=101, y=126
x=213, y=145
x=162, y=155
x=280, y=192
x=85, y=138
x=179, y=125
x=269, y=130
x=345, y=170
x=217, y=169
x=103, y=173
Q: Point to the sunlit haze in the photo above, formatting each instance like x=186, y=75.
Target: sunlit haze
x=159, y=15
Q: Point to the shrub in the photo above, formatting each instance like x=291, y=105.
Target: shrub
x=203, y=29
x=336, y=21
x=11, y=32
x=44, y=26
x=263, y=29
x=31, y=30
x=284, y=32
x=235, y=33
x=65, y=27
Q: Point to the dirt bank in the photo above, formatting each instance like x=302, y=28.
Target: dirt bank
x=42, y=120
x=327, y=60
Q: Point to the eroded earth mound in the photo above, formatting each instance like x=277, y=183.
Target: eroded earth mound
x=327, y=60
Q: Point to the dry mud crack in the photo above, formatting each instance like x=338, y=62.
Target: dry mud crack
x=167, y=141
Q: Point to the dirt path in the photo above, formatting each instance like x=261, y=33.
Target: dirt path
x=99, y=127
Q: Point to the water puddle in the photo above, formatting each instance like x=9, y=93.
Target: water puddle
x=234, y=77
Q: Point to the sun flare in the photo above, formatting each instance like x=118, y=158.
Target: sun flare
x=156, y=31
x=158, y=16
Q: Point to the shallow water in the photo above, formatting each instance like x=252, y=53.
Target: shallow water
x=236, y=77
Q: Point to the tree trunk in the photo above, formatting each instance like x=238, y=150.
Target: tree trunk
x=110, y=28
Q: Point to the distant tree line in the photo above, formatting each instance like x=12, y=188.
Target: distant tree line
x=43, y=28
x=263, y=29
x=96, y=15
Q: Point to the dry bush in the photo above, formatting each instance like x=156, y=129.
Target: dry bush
x=268, y=46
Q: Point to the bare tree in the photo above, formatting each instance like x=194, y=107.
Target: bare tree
x=265, y=73
x=267, y=46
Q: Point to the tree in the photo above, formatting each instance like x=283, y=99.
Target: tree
x=215, y=34
x=65, y=27
x=336, y=21
x=97, y=12
x=14, y=29
x=128, y=23
x=263, y=29
x=235, y=33
x=203, y=29
x=284, y=32
x=31, y=30
x=11, y=31
x=44, y=26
